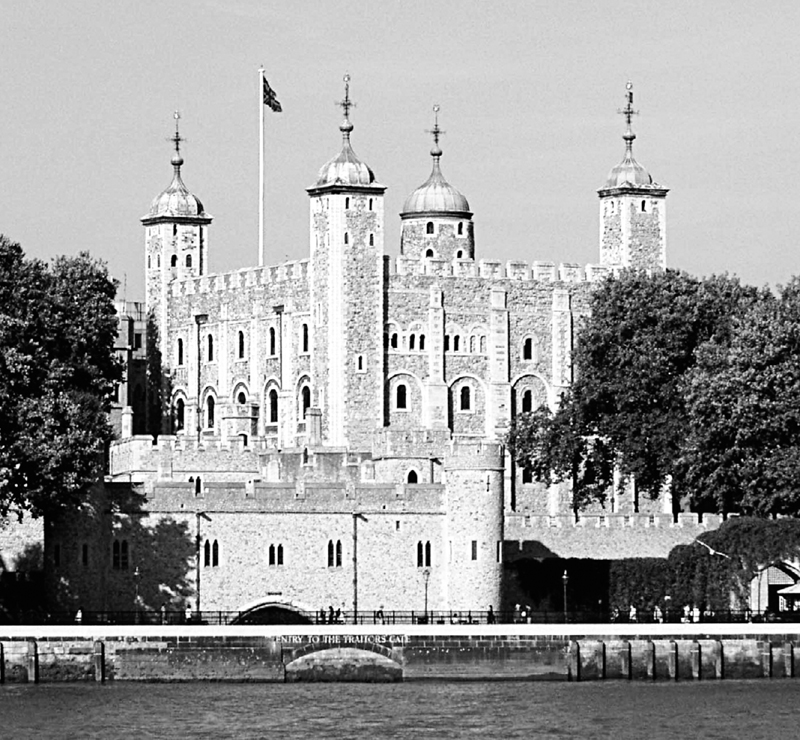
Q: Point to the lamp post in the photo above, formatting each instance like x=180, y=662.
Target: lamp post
x=426, y=576
x=356, y=516
x=200, y=515
x=565, y=581
x=136, y=575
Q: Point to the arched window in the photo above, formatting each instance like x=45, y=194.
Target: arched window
x=527, y=402
x=210, y=348
x=456, y=342
x=412, y=476
x=483, y=345
x=331, y=561
x=207, y=554
x=420, y=555
x=346, y=238
x=173, y=262
x=361, y=362
x=280, y=554
x=459, y=254
x=472, y=344
x=188, y=260
x=174, y=229
x=123, y=555
x=465, y=398
x=180, y=352
x=429, y=229
x=305, y=337
x=198, y=486
x=215, y=554
x=400, y=397
x=347, y=202
x=644, y=206
x=527, y=349
x=158, y=261
x=210, y=412
x=393, y=341
x=338, y=553
x=428, y=554
x=148, y=261
x=372, y=239
x=460, y=230
x=306, y=394
x=272, y=554
x=272, y=341
x=180, y=413
x=421, y=342
x=429, y=253
x=241, y=398
x=273, y=406
x=241, y=345
x=412, y=341
x=370, y=204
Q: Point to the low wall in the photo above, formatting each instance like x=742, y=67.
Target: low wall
x=356, y=653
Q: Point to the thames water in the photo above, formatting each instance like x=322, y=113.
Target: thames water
x=613, y=709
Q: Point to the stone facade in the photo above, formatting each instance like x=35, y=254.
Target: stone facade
x=332, y=427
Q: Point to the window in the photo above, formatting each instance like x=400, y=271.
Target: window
x=400, y=396
x=427, y=554
x=273, y=406
x=421, y=342
x=241, y=399
x=207, y=554
x=180, y=414
x=215, y=554
x=474, y=549
x=420, y=556
x=158, y=261
x=338, y=553
x=412, y=476
x=429, y=253
x=305, y=338
x=272, y=554
x=173, y=261
x=456, y=342
x=429, y=230
x=346, y=238
x=331, y=560
x=644, y=206
x=84, y=554
x=180, y=352
x=446, y=342
x=393, y=341
x=527, y=349
x=148, y=261
x=198, y=486
x=347, y=202
x=411, y=341
x=370, y=204
x=334, y=554
x=360, y=362
x=459, y=254
x=372, y=240
x=306, y=396
x=137, y=340
x=280, y=554
x=460, y=232
x=527, y=402
x=210, y=412
x=527, y=476
x=472, y=344
x=424, y=554
x=276, y=555
x=466, y=399
x=241, y=345
x=272, y=341
x=174, y=229
x=483, y=345
x=188, y=260
x=210, y=354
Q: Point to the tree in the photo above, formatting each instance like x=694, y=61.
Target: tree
x=626, y=410
x=57, y=376
x=743, y=401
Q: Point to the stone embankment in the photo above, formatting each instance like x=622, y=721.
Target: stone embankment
x=380, y=653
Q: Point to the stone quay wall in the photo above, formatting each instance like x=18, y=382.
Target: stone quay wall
x=385, y=654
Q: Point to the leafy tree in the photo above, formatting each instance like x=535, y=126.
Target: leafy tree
x=743, y=400
x=57, y=375
x=626, y=410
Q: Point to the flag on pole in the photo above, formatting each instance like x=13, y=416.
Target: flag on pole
x=270, y=98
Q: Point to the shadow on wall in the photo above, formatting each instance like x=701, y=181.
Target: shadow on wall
x=114, y=556
x=21, y=585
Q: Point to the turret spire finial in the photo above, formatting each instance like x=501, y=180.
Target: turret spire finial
x=436, y=151
x=346, y=105
x=177, y=159
x=629, y=113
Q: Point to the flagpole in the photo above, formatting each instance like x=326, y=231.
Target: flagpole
x=261, y=166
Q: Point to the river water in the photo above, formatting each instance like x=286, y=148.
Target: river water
x=624, y=711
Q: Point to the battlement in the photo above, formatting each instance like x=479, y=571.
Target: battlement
x=566, y=272
x=701, y=522
x=248, y=277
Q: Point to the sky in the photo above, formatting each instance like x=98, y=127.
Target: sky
x=529, y=93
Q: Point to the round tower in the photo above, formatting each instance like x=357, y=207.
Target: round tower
x=633, y=226
x=474, y=526
x=436, y=220
x=346, y=232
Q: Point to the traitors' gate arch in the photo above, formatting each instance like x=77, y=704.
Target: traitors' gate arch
x=270, y=611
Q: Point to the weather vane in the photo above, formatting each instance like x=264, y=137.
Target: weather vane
x=436, y=131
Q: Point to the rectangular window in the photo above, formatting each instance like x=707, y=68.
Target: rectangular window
x=499, y=551
x=474, y=549
x=137, y=341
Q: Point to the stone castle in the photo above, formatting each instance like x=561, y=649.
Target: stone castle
x=330, y=431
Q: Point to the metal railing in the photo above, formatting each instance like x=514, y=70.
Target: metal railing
x=386, y=617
